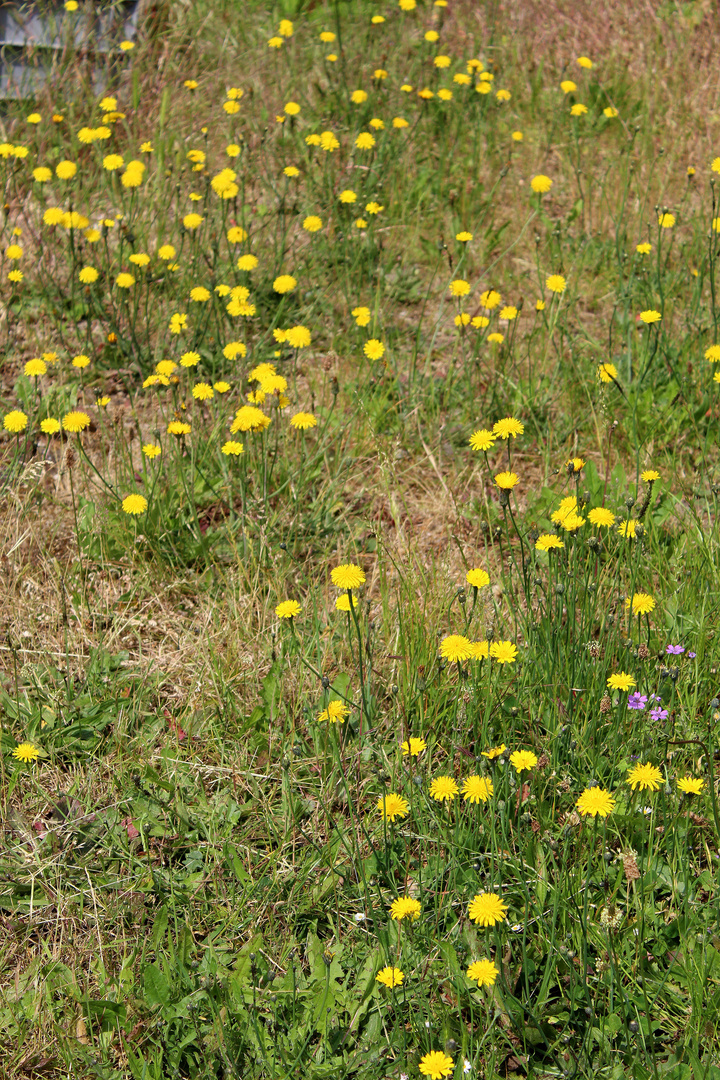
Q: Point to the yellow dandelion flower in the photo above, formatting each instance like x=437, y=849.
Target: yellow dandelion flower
x=15, y=421
x=595, y=802
x=347, y=576
x=556, y=283
x=483, y=972
x=75, y=421
x=647, y=777
x=541, y=184
x=393, y=806
x=437, y=1064
x=455, y=648
x=691, y=785
x=486, y=909
x=443, y=789
x=26, y=752
x=288, y=609
x=482, y=440
x=232, y=448
x=523, y=759
x=303, y=421
x=134, y=504
x=477, y=789
x=390, y=977
x=620, y=680
x=405, y=908
x=641, y=603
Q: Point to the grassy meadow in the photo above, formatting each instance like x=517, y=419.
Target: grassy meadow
x=359, y=468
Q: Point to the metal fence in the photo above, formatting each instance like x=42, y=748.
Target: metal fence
x=44, y=41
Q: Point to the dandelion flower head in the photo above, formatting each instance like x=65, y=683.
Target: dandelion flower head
x=599, y=516
x=607, y=373
x=455, y=648
x=628, y=528
x=285, y=283
x=556, y=283
x=620, y=680
x=523, y=759
x=76, y=421
x=390, y=977
x=482, y=440
x=134, y=504
x=15, y=421
x=691, y=785
x=405, y=908
x=287, y=609
x=595, y=802
x=436, y=1065
x=507, y=480
x=335, y=713
x=393, y=806
x=347, y=576
x=443, y=789
x=495, y=752
x=646, y=777
x=541, y=184
x=25, y=752
x=503, y=652
x=477, y=789
x=483, y=972
x=508, y=427
x=548, y=542
x=486, y=909
x=303, y=421
x=642, y=603
x=490, y=299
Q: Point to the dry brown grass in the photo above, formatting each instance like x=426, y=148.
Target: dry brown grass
x=417, y=508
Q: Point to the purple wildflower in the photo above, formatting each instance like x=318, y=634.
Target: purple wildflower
x=637, y=701
x=675, y=650
x=658, y=714
x=692, y=655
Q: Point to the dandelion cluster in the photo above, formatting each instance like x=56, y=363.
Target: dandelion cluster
x=412, y=376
